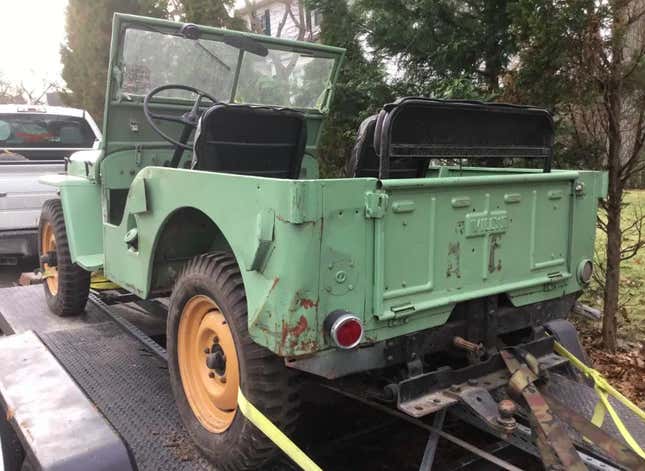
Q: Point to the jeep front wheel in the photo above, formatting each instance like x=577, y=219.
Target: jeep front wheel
x=67, y=285
x=211, y=355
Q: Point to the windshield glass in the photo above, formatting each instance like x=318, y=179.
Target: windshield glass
x=284, y=77
x=39, y=130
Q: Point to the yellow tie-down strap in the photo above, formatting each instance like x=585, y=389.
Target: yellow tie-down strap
x=604, y=389
x=100, y=282
x=274, y=434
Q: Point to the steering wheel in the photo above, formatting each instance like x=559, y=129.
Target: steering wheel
x=188, y=119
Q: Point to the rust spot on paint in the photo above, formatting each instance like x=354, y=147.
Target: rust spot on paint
x=308, y=303
x=494, y=245
x=309, y=346
x=9, y=414
x=300, y=327
x=285, y=332
x=275, y=282
x=453, y=260
x=293, y=332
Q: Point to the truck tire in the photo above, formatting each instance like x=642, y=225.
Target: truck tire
x=67, y=285
x=210, y=354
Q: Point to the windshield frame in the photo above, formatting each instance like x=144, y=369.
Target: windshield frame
x=125, y=22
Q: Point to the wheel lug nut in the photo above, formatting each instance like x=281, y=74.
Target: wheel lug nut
x=216, y=339
x=223, y=379
x=207, y=350
x=211, y=375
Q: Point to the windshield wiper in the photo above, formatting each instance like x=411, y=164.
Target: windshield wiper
x=210, y=53
x=183, y=36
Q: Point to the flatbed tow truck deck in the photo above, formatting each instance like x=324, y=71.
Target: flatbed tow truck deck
x=125, y=379
x=100, y=396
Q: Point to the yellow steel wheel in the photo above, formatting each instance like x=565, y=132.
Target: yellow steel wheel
x=208, y=363
x=47, y=245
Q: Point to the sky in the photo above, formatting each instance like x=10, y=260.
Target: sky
x=31, y=33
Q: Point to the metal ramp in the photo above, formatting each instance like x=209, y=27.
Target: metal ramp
x=136, y=400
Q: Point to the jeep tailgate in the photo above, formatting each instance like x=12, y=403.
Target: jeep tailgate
x=440, y=241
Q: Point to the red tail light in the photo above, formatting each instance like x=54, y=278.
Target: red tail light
x=345, y=329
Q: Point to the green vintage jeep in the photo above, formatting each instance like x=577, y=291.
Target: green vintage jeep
x=417, y=268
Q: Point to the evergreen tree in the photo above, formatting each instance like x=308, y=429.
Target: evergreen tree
x=443, y=47
x=85, y=54
x=361, y=88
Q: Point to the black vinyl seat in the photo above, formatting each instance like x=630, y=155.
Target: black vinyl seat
x=406, y=135
x=250, y=140
x=364, y=161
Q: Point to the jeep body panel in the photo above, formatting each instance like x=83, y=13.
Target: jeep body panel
x=309, y=247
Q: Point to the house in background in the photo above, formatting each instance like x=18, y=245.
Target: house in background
x=288, y=19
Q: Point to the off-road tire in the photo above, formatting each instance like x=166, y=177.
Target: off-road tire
x=264, y=379
x=73, y=282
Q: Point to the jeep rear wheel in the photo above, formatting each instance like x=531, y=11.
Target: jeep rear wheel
x=67, y=285
x=208, y=364
x=211, y=355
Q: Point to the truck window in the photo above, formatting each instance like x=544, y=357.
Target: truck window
x=44, y=131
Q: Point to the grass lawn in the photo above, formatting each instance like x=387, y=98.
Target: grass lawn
x=631, y=320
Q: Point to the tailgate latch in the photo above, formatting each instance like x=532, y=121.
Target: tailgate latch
x=375, y=204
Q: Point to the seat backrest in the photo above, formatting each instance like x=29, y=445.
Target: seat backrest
x=364, y=161
x=456, y=130
x=249, y=140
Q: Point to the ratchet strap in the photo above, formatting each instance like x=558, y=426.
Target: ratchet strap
x=274, y=434
x=603, y=406
x=553, y=442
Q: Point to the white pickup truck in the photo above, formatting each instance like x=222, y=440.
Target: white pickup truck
x=34, y=140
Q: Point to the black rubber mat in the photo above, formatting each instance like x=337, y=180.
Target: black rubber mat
x=130, y=386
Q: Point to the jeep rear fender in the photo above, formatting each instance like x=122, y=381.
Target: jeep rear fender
x=186, y=233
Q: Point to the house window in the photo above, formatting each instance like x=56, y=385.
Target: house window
x=317, y=17
x=267, y=22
